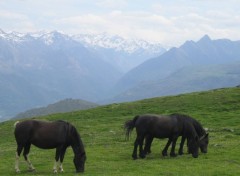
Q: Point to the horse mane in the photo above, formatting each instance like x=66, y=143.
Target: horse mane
x=197, y=125
x=75, y=141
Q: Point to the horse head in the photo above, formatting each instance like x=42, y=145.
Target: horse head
x=78, y=149
x=203, y=143
x=79, y=162
x=193, y=146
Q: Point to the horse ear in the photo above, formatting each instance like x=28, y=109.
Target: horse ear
x=206, y=135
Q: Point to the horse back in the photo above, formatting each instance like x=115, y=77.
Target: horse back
x=159, y=126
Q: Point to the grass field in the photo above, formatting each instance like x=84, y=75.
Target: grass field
x=108, y=153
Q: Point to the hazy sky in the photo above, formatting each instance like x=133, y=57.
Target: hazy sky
x=170, y=22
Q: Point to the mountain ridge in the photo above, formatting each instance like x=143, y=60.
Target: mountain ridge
x=204, y=52
x=66, y=105
x=123, y=54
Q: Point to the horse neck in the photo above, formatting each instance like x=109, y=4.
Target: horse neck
x=78, y=149
x=190, y=131
x=76, y=142
x=199, y=129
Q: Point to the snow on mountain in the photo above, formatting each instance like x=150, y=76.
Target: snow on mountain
x=118, y=43
x=123, y=54
x=99, y=40
x=12, y=36
x=47, y=37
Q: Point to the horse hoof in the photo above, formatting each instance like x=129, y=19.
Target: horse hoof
x=31, y=169
x=61, y=171
x=142, y=156
x=164, y=153
x=173, y=155
x=180, y=153
x=18, y=171
x=134, y=157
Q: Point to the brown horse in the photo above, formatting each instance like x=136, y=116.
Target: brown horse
x=49, y=135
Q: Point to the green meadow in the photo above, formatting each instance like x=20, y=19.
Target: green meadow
x=109, y=153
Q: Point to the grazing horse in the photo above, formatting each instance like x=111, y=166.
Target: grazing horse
x=161, y=126
x=49, y=135
x=203, y=136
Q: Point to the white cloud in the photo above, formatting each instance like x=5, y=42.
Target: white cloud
x=167, y=22
x=16, y=21
x=12, y=15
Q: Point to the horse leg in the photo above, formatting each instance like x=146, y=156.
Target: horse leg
x=174, y=140
x=180, y=151
x=164, y=152
x=141, y=152
x=148, y=142
x=18, y=153
x=138, y=141
x=57, y=157
x=25, y=154
x=61, y=159
x=134, y=154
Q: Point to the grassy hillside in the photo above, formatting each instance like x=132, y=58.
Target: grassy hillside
x=108, y=153
x=66, y=105
x=188, y=79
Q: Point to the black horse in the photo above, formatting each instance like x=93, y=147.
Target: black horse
x=203, y=136
x=49, y=135
x=161, y=126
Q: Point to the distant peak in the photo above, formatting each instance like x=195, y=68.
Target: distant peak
x=205, y=38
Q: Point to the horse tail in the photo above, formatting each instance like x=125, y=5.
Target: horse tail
x=129, y=125
x=15, y=124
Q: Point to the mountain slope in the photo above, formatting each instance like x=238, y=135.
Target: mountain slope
x=66, y=105
x=42, y=69
x=187, y=79
x=205, y=52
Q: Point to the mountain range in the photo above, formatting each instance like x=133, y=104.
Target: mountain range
x=194, y=66
x=124, y=54
x=37, y=69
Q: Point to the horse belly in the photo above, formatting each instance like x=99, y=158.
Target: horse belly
x=163, y=131
x=48, y=141
x=45, y=145
x=163, y=134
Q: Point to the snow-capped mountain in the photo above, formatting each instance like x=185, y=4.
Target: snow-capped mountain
x=46, y=37
x=124, y=54
x=12, y=36
x=118, y=43
x=89, y=40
